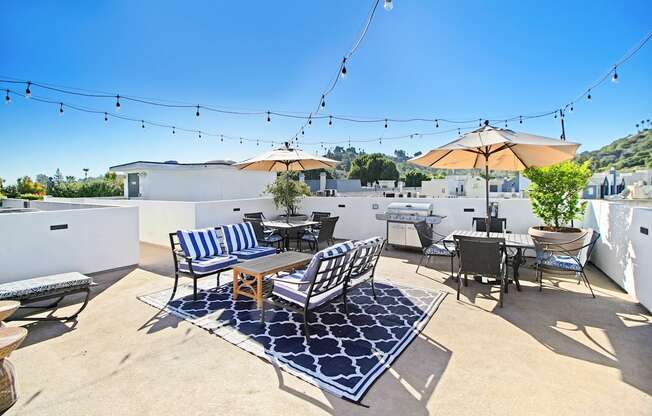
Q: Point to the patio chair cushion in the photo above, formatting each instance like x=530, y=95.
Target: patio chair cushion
x=209, y=264
x=310, y=236
x=292, y=292
x=24, y=289
x=199, y=243
x=273, y=238
x=325, y=254
x=254, y=252
x=439, y=250
x=560, y=262
x=239, y=237
x=361, y=264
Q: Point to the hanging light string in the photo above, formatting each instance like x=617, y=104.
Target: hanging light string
x=202, y=133
x=341, y=71
x=612, y=73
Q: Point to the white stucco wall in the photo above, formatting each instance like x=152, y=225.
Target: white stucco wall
x=199, y=183
x=96, y=239
x=623, y=252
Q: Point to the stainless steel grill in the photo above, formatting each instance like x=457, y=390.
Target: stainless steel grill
x=401, y=216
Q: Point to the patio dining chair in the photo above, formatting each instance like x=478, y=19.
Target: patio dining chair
x=323, y=236
x=317, y=216
x=263, y=236
x=481, y=256
x=432, y=244
x=497, y=225
x=323, y=281
x=569, y=257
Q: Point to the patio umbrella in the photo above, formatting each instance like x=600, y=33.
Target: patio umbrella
x=284, y=160
x=498, y=149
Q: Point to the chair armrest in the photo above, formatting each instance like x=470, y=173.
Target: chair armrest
x=291, y=281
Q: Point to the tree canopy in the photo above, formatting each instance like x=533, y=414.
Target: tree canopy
x=373, y=167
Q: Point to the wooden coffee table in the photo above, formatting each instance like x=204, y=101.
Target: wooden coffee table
x=249, y=276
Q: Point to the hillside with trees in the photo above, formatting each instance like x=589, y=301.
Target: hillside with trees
x=628, y=153
x=59, y=185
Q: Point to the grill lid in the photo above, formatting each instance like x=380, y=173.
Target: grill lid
x=417, y=208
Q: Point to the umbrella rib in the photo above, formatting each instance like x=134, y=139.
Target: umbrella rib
x=443, y=156
x=518, y=157
x=301, y=164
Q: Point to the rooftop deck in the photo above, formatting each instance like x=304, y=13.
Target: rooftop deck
x=557, y=352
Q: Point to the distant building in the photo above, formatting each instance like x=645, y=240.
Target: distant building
x=612, y=183
x=209, y=181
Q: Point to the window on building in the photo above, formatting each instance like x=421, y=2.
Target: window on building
x=493, y=188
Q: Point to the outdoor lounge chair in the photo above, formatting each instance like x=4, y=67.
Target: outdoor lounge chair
x=197, y=254
x=481, y=256
x=323, y=235
x=364, y=264
x=240, y=241
x=432, y=244
x=39, y=289
x=322, y=281
x=570, y=256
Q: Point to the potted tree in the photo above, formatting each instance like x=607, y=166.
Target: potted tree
x=287, y=194
x=555, y=195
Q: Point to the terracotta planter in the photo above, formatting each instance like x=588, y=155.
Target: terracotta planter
x=559, y=237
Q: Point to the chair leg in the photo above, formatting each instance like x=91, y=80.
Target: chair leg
x=346, y=307
x=262, y=312
x=420, y=262
x=540, y=273
x=174, y=289
x=194, y=288
x=503, y=289
x=459, y=284
x=218, y=279
x=373, y=288
x=466, y=280
x=452, y=275
x=306, y=318
x=586, y=279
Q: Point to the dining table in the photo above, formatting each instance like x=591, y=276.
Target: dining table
x=285, y=228
x=515, y=241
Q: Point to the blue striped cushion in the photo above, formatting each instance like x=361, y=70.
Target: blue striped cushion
x=239, y=236
x=199, y=243
x=560, y=262
x=325, y=254
x=209, y=264
x=254, y=252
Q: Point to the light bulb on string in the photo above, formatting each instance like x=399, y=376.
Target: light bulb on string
x=310, y=120
x=343, y=70
x=60, y=109
x=7, y=98
x=330, y=120
x=106, y=118
x=588, y=96
x=28, y=91
x=174, y=131
x=520, y=119
x=117, y=103
x=458, y=131
x=505, y=123
x=199, y=134
x=479, y=122
x=388, y=5
x=269, y=118
x=142, y=123
x=197, y=113
x=380, y=140
x=257, y=142
x=571, y=108
x=385, y=123
x=221, y=138
x=302, y=132
x=240, y=140
x=323, y=101
x=614, y=77
x=436, y=124
x=555, y=116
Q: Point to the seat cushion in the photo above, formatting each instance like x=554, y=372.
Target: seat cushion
x=239, y=237
x=254, y=252
x=292, y=293
x=199, y=243
x=209, y=264
x=273, y=238
x=309, y=236
x=560, y=262
x=24, y=289
x=439, y=250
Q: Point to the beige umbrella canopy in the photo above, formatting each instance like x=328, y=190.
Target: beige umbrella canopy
x=284, y=160
x=497, y=149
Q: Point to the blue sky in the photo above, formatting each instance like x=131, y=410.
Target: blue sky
x=453, y=59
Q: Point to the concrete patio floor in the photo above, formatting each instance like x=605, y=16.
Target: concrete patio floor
x=558, y=352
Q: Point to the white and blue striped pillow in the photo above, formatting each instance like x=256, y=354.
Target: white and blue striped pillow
x=239, y=236
x=199, y=243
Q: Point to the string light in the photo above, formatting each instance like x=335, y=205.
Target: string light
x=310, y=120
x=117, y=103
x=588, y=97
x=505, y=123
x=106, y=118
x=28, y=91
x=385, y=123
x=520, y=119
x=389, y=5
x=479, y=122
x=174, y=131
x=614, y=77
x=330, y=120
x=142, y=123
x=269, y=118
x=197, y=113
x=458, y=132
x=343, y=70
x=571, y=108
x=221, y=138
x=323, y=101
x=257, y=142
x=240, y=140
x=7, y=97
x=380, y=140
x=436, y=123
x=60, y=109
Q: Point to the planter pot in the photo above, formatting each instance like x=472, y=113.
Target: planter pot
x=559, y=237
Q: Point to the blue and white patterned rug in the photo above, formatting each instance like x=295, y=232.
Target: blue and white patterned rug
x=344, y=356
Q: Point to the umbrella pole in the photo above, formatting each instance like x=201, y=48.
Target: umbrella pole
x=287, y=191
x=487, y=223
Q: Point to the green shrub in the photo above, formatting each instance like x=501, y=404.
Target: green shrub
x=31, y=197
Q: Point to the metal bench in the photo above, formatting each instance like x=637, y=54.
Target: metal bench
x=43, y=288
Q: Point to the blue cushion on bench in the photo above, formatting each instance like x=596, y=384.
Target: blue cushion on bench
x=209, y=264
x=239, y=237
x=199, y=243
x=254, y=252
x=23, y=289
x=560, y=262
